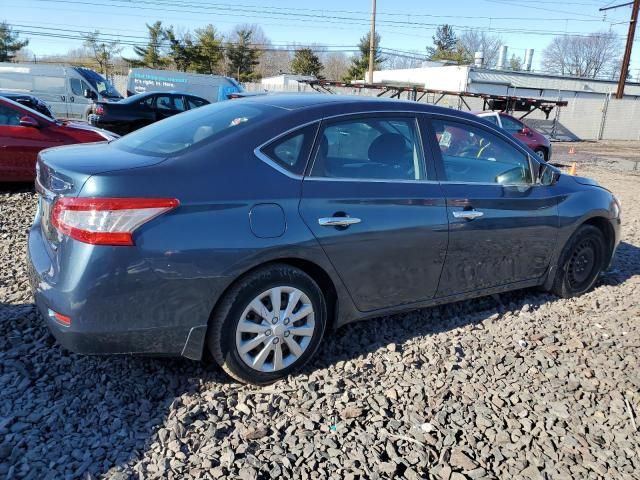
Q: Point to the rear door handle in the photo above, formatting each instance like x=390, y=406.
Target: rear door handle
x=468, y=214
x=338, y=221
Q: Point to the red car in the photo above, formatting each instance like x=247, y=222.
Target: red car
x=527, y=135
x=24, y=132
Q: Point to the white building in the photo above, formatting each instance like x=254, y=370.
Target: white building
x=468, y=78
x=284, y=82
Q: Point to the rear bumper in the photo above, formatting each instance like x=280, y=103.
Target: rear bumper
x=112, y=313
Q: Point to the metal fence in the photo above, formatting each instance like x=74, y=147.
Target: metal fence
x=583, y=119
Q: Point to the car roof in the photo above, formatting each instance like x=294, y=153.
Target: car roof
x=11, y=94
x=148, y=94
x=321, y=102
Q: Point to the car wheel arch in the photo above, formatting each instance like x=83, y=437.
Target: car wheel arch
x=315, y=271
x=603, y=224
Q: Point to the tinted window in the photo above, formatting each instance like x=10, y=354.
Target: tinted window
x=195, y=102
x=370, y=148
x=179, y=132
x=178, y=103
x=147, y=102
x=163, y=102
x=472, y=154
x=292, y=151
x=510, y=124
x=491, y=119
x=9, y=116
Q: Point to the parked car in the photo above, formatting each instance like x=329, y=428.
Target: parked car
x=249, y=228
x=141, y=110
x=68, y=91
x=25, y=132
x=34, y=103
x=533, y=139
x=214, y=88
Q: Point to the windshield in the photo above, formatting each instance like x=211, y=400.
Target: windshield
x=97, y=81
x=176, y=134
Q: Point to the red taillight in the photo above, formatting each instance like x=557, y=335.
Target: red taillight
x=99, y=110
x=60, y=318
x=106, y=221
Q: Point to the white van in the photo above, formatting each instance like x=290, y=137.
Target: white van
x=68, y=91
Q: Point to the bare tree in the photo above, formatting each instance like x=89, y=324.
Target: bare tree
x=336, y=65
x=473, y=41
x=589, y=56
x=399, y=62
x=103, y=51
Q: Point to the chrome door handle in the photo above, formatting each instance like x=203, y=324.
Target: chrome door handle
x=468, y=214
x=338, y=221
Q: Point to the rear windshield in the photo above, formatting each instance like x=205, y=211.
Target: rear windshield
x=177, y=133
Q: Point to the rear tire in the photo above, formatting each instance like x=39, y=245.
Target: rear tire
x=581, y=261
x=257, y=341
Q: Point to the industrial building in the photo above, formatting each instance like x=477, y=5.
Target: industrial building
x=477, y=78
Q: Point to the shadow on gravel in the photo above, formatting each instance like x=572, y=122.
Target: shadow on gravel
x=358, y=339
x=67, y=415
x=16, y=187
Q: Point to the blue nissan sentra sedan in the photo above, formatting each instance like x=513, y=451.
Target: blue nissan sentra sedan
x=250, y=227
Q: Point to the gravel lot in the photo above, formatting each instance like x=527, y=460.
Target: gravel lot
x=520, y=385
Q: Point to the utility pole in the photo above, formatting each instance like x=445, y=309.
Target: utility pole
x=627, y=50
x=372, y=39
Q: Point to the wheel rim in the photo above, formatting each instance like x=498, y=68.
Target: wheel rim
x=275, y=329
x=582, y=264
x=540, y=154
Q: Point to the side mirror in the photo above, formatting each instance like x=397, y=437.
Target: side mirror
x=525, y=131
x=90, y=94
x=548, y=175
x=28, y=121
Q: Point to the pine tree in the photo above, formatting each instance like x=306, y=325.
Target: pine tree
x=209, y=50
x=9, y=43
x=360, y=63
x=447, y=47
x=151, y=56
x=242, y=56
x=306, y=62
x=182, y=51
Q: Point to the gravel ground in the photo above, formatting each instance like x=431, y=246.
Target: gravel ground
x=521, y=385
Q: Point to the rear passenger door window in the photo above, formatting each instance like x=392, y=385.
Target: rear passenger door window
x=375, y=148
x=474, y=155
x=511, y=125
x=179, y=103
x=195, y=102
x=164, y=102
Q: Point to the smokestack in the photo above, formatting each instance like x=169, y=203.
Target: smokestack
x=478, y=59
x=528, y=59
x=502, y=57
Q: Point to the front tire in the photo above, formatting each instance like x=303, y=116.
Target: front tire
x=581, y=261
x=542, y=154
x=269, y=324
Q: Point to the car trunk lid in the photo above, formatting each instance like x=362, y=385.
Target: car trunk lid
x=63, y=171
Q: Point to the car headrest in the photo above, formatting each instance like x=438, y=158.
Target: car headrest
x=323, y=150
x=202, y=132
x=388, y=148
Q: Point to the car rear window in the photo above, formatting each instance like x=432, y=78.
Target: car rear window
x=176, y=134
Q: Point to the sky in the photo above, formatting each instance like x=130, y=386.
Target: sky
x=406, y=25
